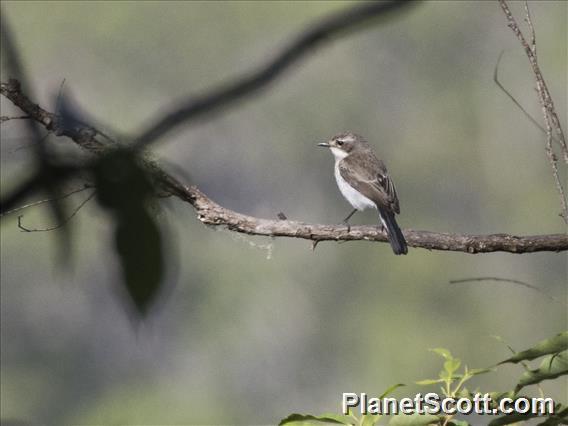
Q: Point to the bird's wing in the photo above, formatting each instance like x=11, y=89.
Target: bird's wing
x=369, y=176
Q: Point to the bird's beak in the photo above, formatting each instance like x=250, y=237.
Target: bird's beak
x=324, y=144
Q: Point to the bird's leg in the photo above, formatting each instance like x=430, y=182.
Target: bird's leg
x=346, y=220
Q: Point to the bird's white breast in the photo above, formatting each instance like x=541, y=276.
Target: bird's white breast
x=355, y=198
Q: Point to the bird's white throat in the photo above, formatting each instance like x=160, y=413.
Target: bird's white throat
x=339, y=154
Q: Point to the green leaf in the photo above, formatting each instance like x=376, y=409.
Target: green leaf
x=452, y=365
x=429, y=381
x=561, y=413
x=511, y=418
x=414, y=420
x=559, y=418
x=477, y=371
x=308, y=419
x=464, y=393
x=455, y=422
x=551, y=367
x=446, y=354
x=370, y=419
x=555, y=344
x=391, y=390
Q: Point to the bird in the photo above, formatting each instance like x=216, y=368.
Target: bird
x=365, y=183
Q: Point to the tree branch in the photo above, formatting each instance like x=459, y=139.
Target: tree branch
x=547, y=105
x=211, y=213
x=316, y=34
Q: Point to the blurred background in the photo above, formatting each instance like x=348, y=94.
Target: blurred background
x=249, y=329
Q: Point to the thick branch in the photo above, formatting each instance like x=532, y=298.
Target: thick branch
x=210, y=213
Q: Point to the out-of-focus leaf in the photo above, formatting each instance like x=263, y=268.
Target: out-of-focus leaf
x=122, y=184
x=443, y=352
x=308, y=419
x=370, y=419
x=560, y=417
x=139, y=246
x=560, y=411
x=551, y=367
x=511, y=418
x=123, y=188
x=414, y=420
x=452, y=365
x=497, y=396
x=456, y=422
x=477, y=371
x=391, y=390
x=555, y=344
x=429, y=381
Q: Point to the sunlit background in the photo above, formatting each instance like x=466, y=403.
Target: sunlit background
x=248, y=329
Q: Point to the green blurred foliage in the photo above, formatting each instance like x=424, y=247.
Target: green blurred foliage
x=251, y=329
x=453, y=385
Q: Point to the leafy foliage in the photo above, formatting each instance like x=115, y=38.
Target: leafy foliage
x=553, y=345
x=551, y=367
x=452, y=383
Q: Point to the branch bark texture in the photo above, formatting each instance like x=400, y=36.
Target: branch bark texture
x=212, y=214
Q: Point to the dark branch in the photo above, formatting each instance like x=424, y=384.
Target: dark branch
x=315, y=35
x=210, y=213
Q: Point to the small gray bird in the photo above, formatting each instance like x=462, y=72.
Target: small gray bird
x=365, y=183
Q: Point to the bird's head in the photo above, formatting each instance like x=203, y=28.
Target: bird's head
x=343, y=144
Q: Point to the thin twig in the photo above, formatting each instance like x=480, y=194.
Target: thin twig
x=512, y=98
x=6, y=118
x=30, y=145
x=528, y=20
x=507, y=280
x=47, y=200
x=547, y=105
x=42, y=159
x=61, y=224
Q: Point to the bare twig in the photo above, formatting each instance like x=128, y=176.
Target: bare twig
x=528, y=20
x=549, y=112
x=210, y=213
x=41, y=157
x=59, y=225
x=316, y=33
x=507, y=280
x=6, y=118
x=512, y=98
x=47, y=200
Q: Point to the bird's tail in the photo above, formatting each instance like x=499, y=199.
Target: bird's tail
x=396, y=239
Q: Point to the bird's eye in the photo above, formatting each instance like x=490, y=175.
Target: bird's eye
x=339, y=142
